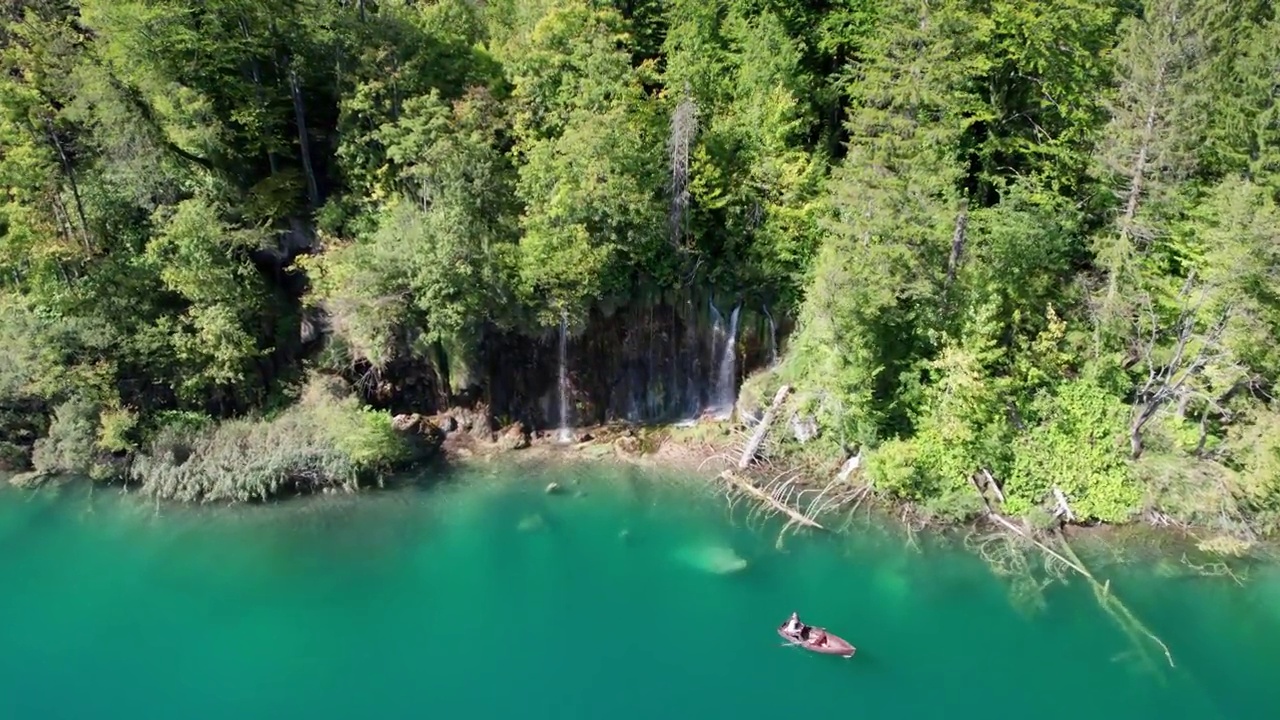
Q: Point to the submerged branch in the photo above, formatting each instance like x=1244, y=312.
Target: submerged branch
x=770, y=499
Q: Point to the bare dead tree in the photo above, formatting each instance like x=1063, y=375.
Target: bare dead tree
x=1193, y=350
x=684, y=128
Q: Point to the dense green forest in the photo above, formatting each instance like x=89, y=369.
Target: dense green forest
x=1028, y=242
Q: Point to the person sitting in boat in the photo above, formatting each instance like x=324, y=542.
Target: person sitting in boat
x=819, y=639
x=794, y=626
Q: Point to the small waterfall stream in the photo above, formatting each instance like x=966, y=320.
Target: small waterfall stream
x=565, y=434
x=674, y=360
x=773, y=338
x=724, y=388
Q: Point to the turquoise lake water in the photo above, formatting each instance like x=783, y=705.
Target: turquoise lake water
x=487, y=598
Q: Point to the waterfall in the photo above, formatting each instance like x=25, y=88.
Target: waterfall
x=728, y=360
x=565, y=434
x=773, y=338
x=717, y=332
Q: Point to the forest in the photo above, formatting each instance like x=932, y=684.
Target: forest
x=1031, y=241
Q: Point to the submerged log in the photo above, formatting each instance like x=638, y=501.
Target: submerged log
x=757, y=437
x=746, y=486
x=1107, y=600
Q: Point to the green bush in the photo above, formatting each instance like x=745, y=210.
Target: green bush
x=326, y=440
x=1078, y=444
x=70, y=446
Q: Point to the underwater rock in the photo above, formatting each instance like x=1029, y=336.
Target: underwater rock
x=531, y=523
x=716, y=559
x=553, y=488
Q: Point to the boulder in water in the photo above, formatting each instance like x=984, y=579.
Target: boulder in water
x=715, y=559
x=531, y=523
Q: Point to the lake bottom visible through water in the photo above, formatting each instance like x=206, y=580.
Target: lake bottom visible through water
x=624, y=596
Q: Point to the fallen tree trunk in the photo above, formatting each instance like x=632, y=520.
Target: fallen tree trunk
x=1102, y=591
x=849, y=467
x=757, y=437
x=746, y=486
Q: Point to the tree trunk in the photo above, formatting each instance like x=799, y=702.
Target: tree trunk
x=957, y=246
x=71, y=180
x=757, y=438
x=746, y=486
x=304, y=145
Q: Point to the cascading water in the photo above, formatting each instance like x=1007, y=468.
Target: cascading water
x=724, y=398
x=773, y=338
x=565, y=434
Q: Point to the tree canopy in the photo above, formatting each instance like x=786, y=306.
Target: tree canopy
x=1030, y=240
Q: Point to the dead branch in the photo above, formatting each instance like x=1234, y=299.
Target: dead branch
x=770, y=499
x=757, y=437
x=1102, y=591
x=1063, y=509
x=1192, y=352
x=849, y=467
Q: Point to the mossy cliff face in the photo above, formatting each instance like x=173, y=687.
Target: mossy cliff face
x=654, y=361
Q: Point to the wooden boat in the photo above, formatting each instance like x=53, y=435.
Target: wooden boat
x=832, y=644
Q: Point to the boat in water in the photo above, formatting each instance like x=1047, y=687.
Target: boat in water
x=816, y=639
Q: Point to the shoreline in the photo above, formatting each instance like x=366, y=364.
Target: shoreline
x=704, y=450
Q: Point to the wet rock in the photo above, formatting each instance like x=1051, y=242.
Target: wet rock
x=425, y=435
x=475, y=421
x=627, y=445
x=29, y=480
x=804, y=427
x=514, y=437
